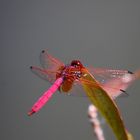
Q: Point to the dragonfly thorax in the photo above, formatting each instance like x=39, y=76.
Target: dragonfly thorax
x=71, y=72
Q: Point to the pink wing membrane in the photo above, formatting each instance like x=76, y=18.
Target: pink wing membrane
x=118, y=85
x=114, y=82
x=103, y=75
x=50, y=67
x=49, y=62
x=44, y=73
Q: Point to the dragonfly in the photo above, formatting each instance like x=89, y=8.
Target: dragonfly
x=65, y=77
x=101, y=85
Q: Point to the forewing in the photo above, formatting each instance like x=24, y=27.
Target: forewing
x=51, y=66
x=114, y=82
x=103, y=75
x=49, y=62
x=44, y=73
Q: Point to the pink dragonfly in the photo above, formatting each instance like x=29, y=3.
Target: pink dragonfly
x=65, y=78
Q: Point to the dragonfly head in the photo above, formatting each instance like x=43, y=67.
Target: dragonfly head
x=76, y=63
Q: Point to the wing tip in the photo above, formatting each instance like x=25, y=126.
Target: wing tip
x=130, y=72
x=31, y=67
x=43, y=51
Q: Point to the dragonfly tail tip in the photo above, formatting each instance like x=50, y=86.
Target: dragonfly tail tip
x=30, y=113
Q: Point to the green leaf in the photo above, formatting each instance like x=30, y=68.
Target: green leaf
x=105, y=105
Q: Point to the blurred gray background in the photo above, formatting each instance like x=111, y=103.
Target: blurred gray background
x=99, y=33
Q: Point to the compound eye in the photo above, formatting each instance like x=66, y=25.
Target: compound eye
x=76, y=63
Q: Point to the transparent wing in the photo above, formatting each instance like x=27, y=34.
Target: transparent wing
x=44, y=73
x=48, y=62
x=114, y=82
x=51, y=66
x=103, y=75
